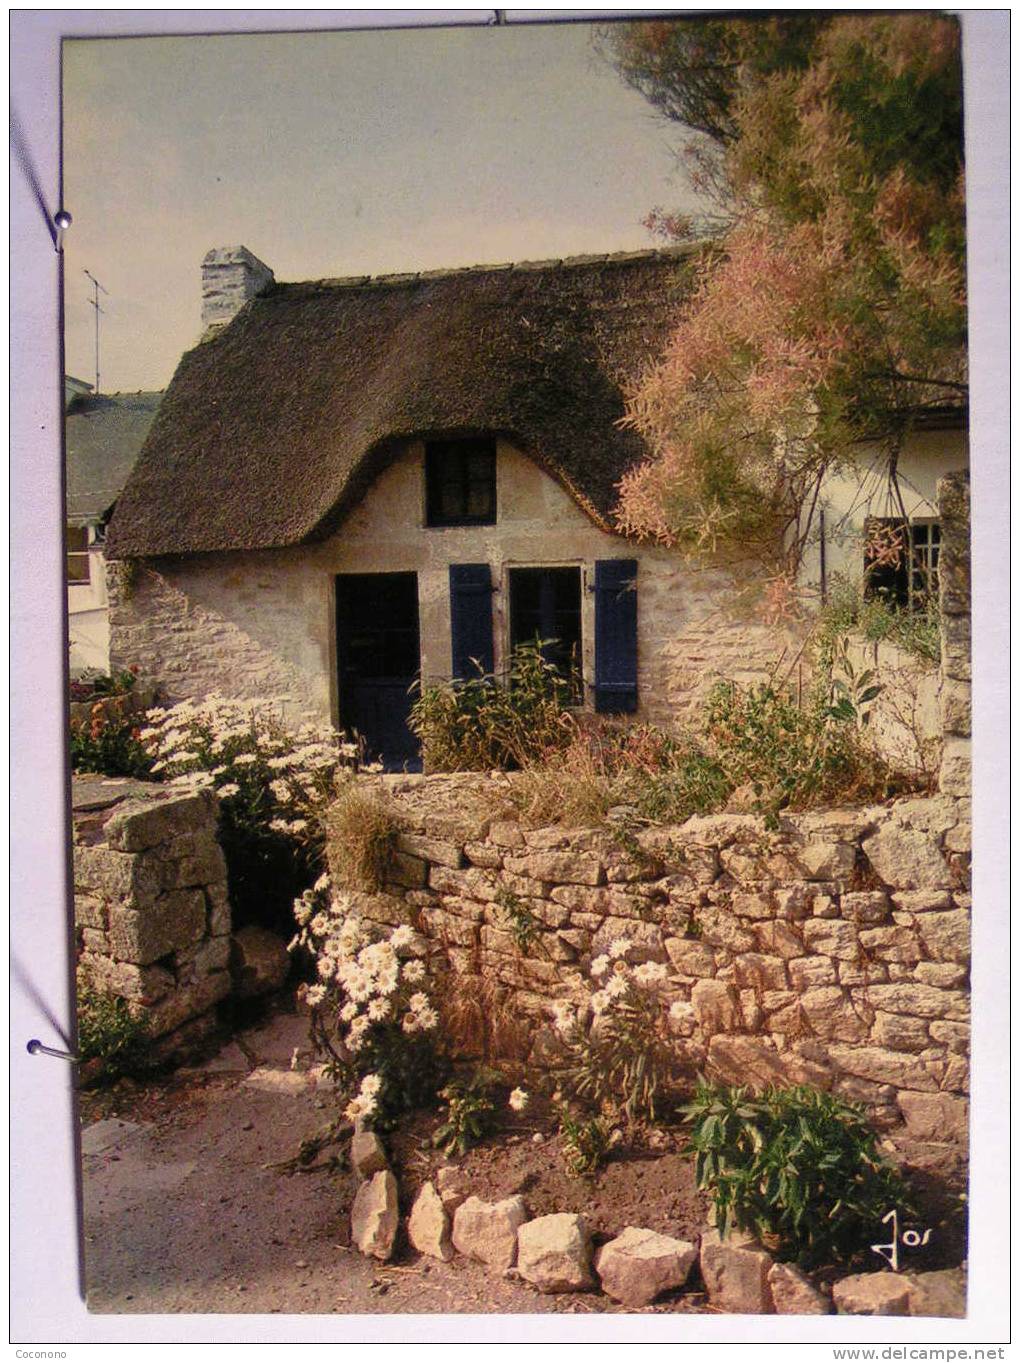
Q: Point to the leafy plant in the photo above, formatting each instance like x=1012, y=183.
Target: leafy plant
x=372, y=1018
x=520, y=922
x=875, y=618
x=109, y=1031
x=586, y=1141
x=624, y=1062
x=797, y=1167
x=109, y=743
x=488, y=722
x=470, y=1112
x=853, y=693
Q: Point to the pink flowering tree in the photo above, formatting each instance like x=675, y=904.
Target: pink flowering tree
x=830, y=302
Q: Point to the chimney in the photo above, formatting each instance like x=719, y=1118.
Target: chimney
x=231, y=276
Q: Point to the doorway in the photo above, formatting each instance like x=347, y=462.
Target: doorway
x=378, y=660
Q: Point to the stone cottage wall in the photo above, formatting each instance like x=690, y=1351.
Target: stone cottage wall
x=954, y=609
x=833, y=951
x=150, y=899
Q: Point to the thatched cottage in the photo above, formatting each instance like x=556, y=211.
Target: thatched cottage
x=354, y=482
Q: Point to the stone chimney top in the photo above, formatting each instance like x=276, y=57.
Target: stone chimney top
x=231, y=276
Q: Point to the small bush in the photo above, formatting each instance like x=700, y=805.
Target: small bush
x=876, y=619
x=470, y=1112
x=273, y=783
x=488, y=722
x=109, y=1031
x=624, y=1063
x=585, y=1141
x=360, y=835
x=109, y=744
x=372, y=1016
x=796, y=1167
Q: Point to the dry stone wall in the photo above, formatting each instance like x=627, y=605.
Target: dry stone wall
x=150, y=898
x=954, y=611
x=833, y=950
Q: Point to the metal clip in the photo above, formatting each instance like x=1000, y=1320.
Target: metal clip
x=36, y=1047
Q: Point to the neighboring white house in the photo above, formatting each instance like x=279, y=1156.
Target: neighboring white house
x=104, y=433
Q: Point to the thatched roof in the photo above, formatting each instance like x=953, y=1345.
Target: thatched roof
x=274, y=427
x=104, y=434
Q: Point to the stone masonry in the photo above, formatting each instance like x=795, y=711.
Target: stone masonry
x=832, y=951
x=954, y=611
x=150, y=898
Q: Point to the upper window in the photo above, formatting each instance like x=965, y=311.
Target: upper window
x=78, y=555
x=460, y=482
x=901, y=561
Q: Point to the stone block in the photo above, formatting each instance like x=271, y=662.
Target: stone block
x=941, y=975
x=428, y=1226
x=143, y=936
x=735, y=1272
x=955, y=705
x=778, y=939
x=881, y=1066
x=139, y=824
x=954, y=1035
x=218, y=908
x=900, y=1033
x=145, y=984
x=907, y=858
x=375, y=1216
x=434, y=850
x=470, y=883
x=935, y=1116
x=867, y=907
x=716, y=1007
x=110, y=875
x=809, y=972
x=919, y=1000
x=794, y=902
x=212, y=953
x=942, y=1294
x=554, y=1253
x=946, y=936
x=559, y=868
x=89, y=912
x=922, y=901
x=956, y=771
x=506, y=834
x=867, y=972
x=487, y=1231
x=831, y=937
x=892, y=944
x=483, y=854
x=639, y=1265
x=751, y=905
x=872, y=1294
x=690, y=957
x=452, y=1186
x=794, y=1294
x=831, y=1015
x=407, y=872
x=826, y=860
x=756, y=971
x=824, y=906
x=756, y=1062
x=722, y=929
x=259, y=962
x=368, y=1154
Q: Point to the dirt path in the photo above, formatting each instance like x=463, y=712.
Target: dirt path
x=182, y=1215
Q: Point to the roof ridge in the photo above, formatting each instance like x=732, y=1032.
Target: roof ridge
x=663, y=253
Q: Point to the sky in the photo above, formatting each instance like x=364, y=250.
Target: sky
x=331, y=154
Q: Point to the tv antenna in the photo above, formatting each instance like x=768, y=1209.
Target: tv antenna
x=97, y=289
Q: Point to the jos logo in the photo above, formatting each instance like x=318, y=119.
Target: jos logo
x=911, y=1239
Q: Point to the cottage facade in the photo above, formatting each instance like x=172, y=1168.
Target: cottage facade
x=354, y=483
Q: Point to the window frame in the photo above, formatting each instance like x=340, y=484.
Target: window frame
x=84, y=554
x=920, y=572
x=437, y=479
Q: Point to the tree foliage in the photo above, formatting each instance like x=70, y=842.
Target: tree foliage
x=830, y=305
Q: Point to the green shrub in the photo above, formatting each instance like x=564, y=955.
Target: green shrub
x=470, y=1112
x=585, y=1141
x=849, y=611
x=796, y=1167
x=485, y=722
x=109, y=1031
x=108, y=743
x=273, y=782
x=372, y=1016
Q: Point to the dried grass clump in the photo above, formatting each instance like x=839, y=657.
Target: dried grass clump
x=361, y=831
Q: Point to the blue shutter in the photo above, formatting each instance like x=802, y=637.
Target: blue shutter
x=471, y=619
x=616, y=636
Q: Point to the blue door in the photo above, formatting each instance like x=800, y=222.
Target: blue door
x=379, y=658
